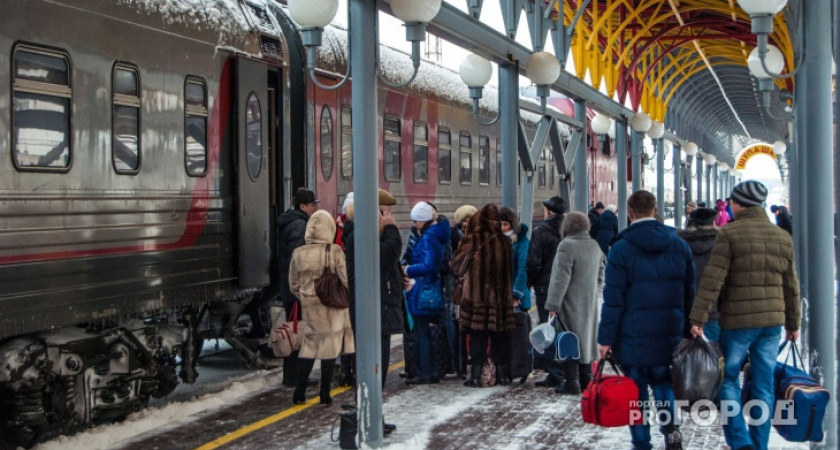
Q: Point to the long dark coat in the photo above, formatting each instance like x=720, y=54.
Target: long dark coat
x=485, y=258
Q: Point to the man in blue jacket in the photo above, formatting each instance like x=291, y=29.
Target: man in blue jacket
x=648, y=293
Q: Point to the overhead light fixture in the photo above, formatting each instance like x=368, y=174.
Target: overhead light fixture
x=475, y=72
x=640, y=122
x=723, y=166
x=709, y=158
x=601, y=124
x=313, y=15
x=690, y=149
x=779, y=147
x=656, y=130
x=543, y=69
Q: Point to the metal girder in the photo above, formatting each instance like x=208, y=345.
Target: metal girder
x=539, y=24
x=474, y=6
x=511, y=12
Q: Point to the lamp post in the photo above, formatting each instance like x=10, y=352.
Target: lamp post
x=678, y=194
x=723, y=172
x=655, y=133
x=312, y=16
x=709, y=159
x=690, y=150
x=640, y=123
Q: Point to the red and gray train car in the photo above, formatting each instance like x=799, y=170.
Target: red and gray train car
x=146, y=148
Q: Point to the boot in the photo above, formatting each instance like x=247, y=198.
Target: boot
x=502, y=377
x=387, y=428
x=475, y=377
x=304, y=368
x=571, y=373
x=347, y=377
x=585, y=375
x=290, y=369
x=570, y=387
x=327, y=366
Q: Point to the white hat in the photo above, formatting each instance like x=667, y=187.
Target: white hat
x=347, y=202
x=612, y=208
x=422, y=212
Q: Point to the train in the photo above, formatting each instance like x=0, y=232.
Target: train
x=149, y=146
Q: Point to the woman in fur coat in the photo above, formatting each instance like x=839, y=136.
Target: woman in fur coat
x=577, y=274
x=327, y=332
x=485, y=260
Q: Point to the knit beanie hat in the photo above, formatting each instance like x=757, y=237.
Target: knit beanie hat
x=749, y=193
x=422, y=212
x=347, y=202
x=599, y=205
x=508, y=215
x=464, y=213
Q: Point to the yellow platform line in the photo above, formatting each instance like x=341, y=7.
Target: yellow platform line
x=278, y=417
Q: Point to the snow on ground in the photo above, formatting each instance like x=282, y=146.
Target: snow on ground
x=418, y=410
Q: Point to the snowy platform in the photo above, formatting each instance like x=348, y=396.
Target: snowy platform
x=256, y=412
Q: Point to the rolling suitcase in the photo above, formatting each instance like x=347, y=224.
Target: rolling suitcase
x=521, y=360
x=439, y=352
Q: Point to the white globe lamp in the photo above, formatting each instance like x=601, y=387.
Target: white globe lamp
x=723, y=166
x=415, y=11
x=656, y=130
x=543, y=68
x=762, y=7
x=690, y=149
x=313, y=13
x=601, y=124
x=779, y=147
x=475, y=71
x=774, y=60
x=709, y=158
x=640, y=122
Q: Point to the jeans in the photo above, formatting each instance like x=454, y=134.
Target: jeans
x=711, y=329
x=423, y=334
x=762, y=344
x=659, y=380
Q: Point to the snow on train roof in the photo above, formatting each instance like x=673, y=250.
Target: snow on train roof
x=432, y=78
x=225, y=16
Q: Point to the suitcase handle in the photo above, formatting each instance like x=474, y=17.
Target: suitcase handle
x=609, y=358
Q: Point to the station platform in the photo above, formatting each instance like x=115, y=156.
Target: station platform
x=440, y=416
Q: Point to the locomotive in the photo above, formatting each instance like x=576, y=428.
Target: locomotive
x=148, y=147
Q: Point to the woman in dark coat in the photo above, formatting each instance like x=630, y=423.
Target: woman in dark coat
x=485, y=260
x=607, y=228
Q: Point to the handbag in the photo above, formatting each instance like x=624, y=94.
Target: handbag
x=286, y=338
x=566, y=344
x=488, y=373
x=347, y=430
x=329, y=288
x=696, y=370
x=610, y=400
x=427, y=302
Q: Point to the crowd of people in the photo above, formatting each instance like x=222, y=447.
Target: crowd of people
x=728, y=276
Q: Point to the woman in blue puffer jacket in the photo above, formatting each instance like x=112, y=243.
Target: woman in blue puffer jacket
x=425, y=298
x=518, y=234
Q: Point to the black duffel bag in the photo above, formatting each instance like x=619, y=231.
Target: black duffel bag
x=696, y=370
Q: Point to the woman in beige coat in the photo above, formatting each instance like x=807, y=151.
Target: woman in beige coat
x=327, y=332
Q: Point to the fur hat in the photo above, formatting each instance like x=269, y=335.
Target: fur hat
x=386, y=199
x=574, y=223
x=464, y=213
x=347, y=202
x=749, y=193
x=508, y=215
x=556, y=205
x=611, y=208
x=703, y=216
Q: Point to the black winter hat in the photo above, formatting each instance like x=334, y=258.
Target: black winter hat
x=303, y=196
x=704, y=216
x=556, y=205
x=599, y=205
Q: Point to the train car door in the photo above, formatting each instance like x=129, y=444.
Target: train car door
x=252, y=172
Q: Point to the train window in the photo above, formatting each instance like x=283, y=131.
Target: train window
x=125, y=135
x=326, y=143
x=392, y=148
x=41, y=136
x=444, y=156
x=498, y=162
x=346, y=143
x=195, y=133
x=253, y=138
x=465, y=143
x=421, y=153
x=483, y=160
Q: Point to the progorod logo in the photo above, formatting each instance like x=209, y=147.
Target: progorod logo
x=706, y=413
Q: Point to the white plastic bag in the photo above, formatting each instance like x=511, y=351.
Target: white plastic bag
x=542, y=336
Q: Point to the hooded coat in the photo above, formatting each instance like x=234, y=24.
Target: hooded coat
x=544, y=241
x=701, y=240
x=291, y=228
x=520, y=274
x=485, y=259
x=577, y=274
x=327, y=332
x=648, y=293
x=607, y=229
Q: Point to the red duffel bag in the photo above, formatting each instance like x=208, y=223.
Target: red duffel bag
x=610, y=400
